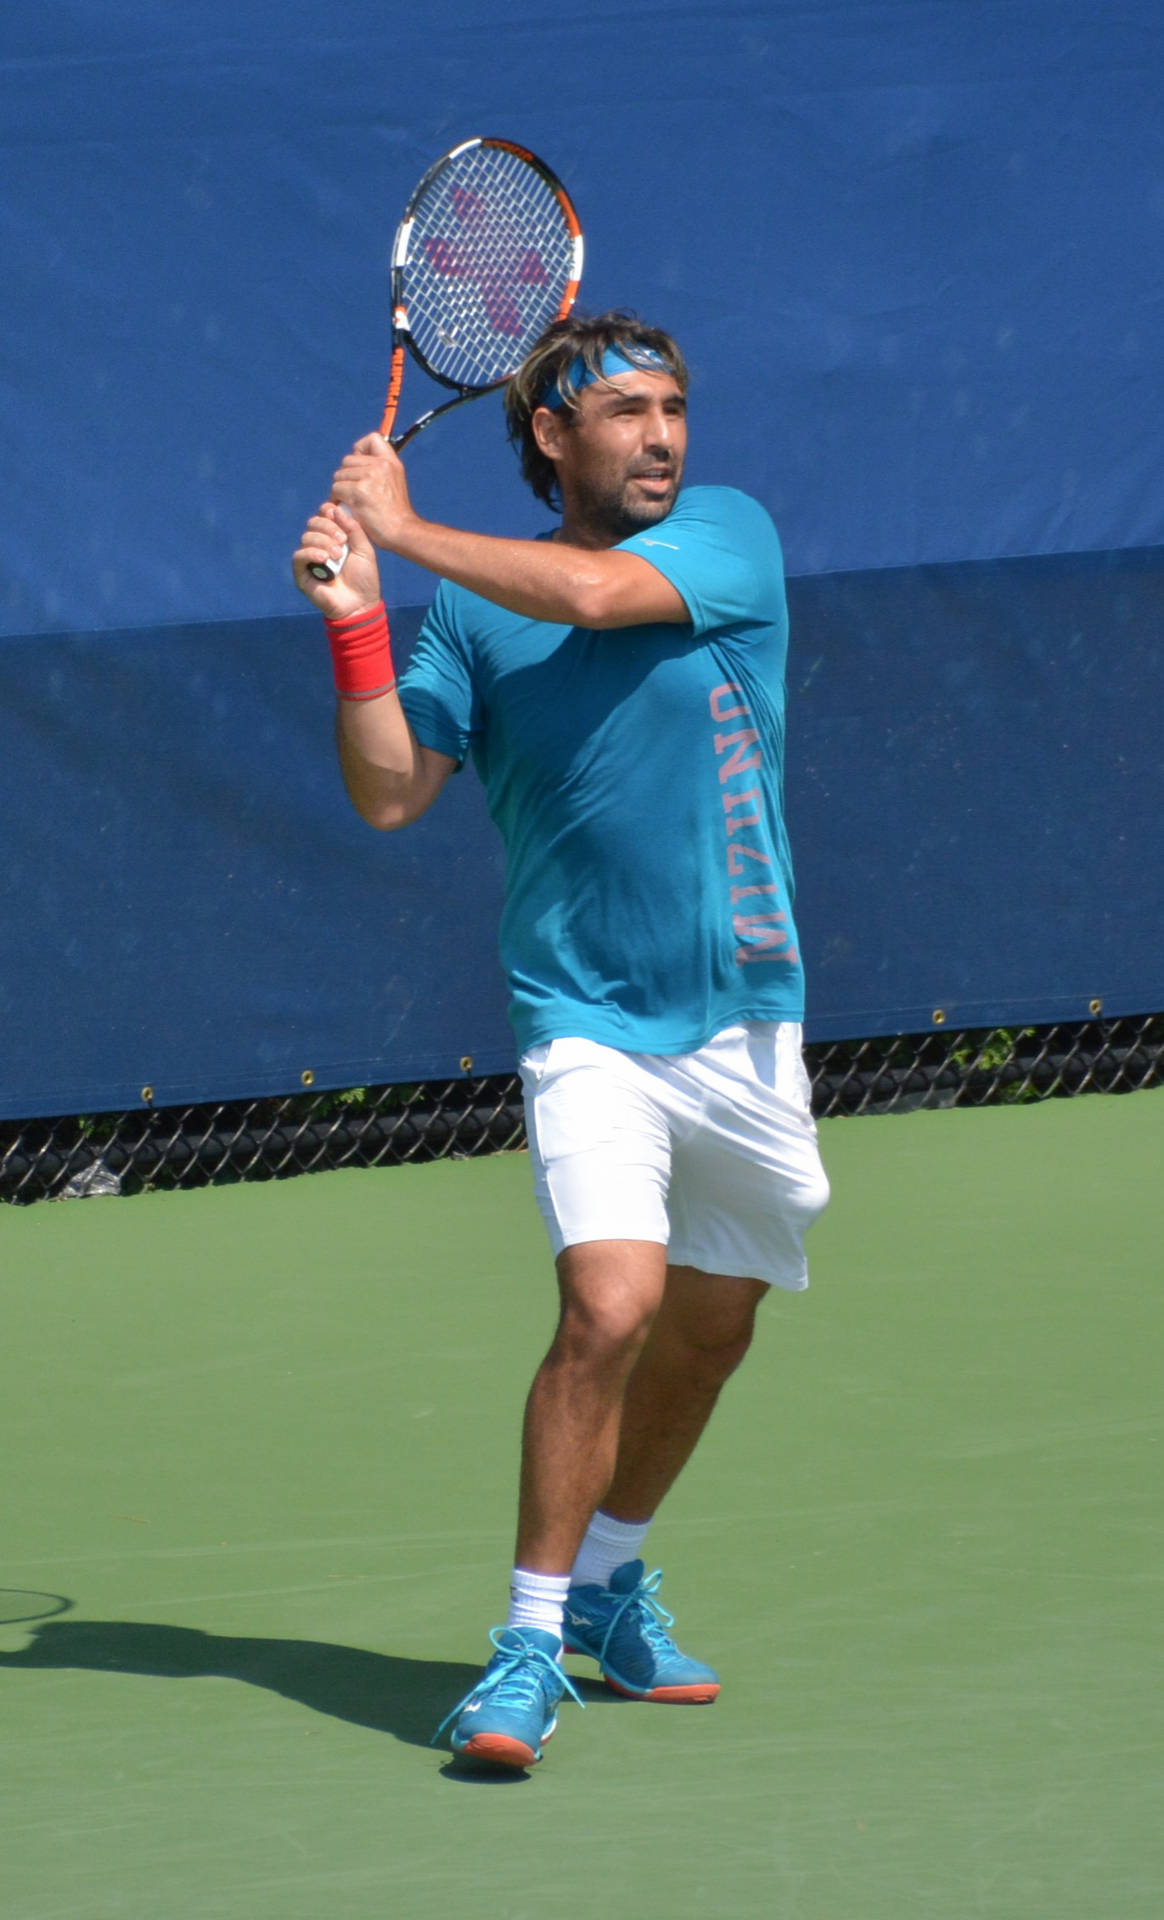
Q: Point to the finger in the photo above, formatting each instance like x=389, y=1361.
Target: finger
x=353, y=472
x=356, y=538
x=355, y=490
x=307, y=557
x=373, y=443
x=325, y=525
x=323, y=538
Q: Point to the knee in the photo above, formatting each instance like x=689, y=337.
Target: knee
x=604, y=1332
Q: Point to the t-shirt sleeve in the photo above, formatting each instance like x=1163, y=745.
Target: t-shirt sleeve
x=436, y=688
x=720, y=550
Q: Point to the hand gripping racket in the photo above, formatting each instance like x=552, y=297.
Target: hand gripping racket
x=488, y=253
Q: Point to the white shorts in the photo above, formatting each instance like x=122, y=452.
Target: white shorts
x=713, y=1154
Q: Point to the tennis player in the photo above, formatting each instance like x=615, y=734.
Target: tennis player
x=619, y=687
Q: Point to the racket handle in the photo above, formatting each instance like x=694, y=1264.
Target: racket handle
x=329, y=569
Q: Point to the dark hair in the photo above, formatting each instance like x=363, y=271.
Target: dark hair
x=546, y=367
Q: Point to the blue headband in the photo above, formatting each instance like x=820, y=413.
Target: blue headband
x=614, y=361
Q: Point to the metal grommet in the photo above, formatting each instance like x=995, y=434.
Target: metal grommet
x=939, y=1016
x=466, y=1063
x=307, y=1078
x=1094, y=1007
x=147, y=1094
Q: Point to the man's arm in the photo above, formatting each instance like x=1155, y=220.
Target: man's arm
x=390, y=777
x=539, y=579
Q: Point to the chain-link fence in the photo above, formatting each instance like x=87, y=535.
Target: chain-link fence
x=390, y=1125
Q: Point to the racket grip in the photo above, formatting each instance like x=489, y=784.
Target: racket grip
x=329, y=569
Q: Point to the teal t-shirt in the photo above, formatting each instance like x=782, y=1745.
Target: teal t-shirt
x=636, y=777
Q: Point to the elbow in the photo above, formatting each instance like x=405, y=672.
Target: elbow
x=388, y=808
x=384, y=819
x=594, y=603
x=387, y=816
x=615, y=589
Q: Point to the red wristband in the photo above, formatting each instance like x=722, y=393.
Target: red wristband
x=361, y=656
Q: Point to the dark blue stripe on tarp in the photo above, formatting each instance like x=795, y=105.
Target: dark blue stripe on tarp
x=193, y=905
x=974, y=791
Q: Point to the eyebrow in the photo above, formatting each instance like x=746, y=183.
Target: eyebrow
x=623, y=397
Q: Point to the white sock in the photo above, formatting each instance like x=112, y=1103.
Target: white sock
x=537, y=1600
x=609, y=1543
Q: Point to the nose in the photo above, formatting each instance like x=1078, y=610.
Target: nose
x=660, y=431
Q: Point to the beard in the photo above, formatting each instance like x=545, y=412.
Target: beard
x=614, y=509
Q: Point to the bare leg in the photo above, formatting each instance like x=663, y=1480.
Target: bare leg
x=611, y=1290
x=700, y=1334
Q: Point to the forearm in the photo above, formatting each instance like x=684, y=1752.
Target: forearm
x=377, y=757
x=539, y=579
x=389, y=775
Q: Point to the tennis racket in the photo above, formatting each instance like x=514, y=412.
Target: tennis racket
x=488, y=253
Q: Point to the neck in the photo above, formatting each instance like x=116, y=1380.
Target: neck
x=585, y=524
x=577, y=530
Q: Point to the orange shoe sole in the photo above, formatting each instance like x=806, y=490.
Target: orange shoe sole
x=700, y=1694
x=499, y=1750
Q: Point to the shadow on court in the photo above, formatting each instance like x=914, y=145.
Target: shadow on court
x=406, y=1698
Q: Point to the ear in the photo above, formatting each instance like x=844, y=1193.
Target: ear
x=547, y=426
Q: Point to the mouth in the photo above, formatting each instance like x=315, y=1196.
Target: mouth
x=654, y=478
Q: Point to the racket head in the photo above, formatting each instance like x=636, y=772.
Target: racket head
x=19, y=1604
x=488, y=253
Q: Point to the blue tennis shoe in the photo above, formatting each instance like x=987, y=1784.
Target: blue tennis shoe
x=506, y=1719
x=624, y=1628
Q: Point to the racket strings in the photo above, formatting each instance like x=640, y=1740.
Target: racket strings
x=490, y=256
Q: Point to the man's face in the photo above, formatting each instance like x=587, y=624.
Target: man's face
x=620, y=457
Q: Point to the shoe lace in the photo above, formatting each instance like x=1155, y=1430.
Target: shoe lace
x=519, y=1671
x=651, y=1616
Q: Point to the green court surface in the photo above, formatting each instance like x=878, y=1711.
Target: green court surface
x=262, y=1441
